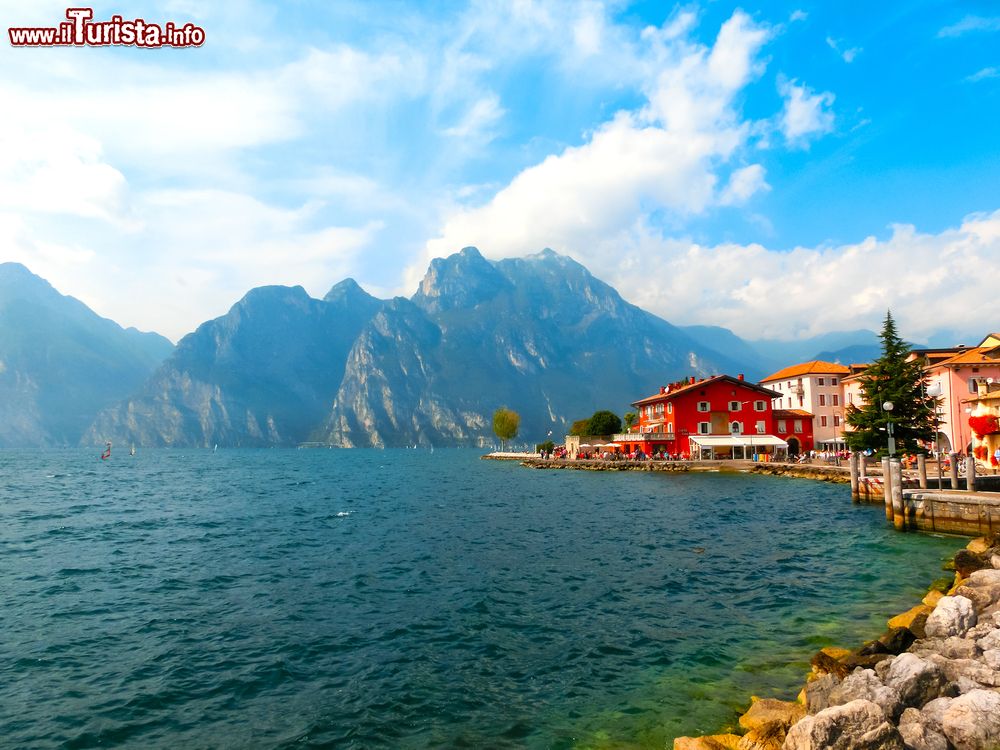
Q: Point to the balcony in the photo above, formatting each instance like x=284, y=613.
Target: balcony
x=640, y=437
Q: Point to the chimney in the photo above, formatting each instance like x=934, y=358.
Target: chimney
x=691, y=380
x=663, y=389
x=740, y=376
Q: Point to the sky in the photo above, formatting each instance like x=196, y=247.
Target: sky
x=780, y=169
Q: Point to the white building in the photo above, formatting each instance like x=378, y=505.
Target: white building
x=816, y=388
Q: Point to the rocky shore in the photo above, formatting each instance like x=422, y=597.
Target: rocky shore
x=930, y=682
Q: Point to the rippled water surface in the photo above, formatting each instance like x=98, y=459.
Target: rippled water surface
x=411, y=599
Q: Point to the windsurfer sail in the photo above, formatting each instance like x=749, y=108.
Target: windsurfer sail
x=107, y=451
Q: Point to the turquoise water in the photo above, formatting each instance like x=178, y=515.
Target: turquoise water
x=409, y=599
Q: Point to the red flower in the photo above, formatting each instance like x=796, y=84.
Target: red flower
x=984, y=424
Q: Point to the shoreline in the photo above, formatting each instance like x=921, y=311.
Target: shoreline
x=930, y=682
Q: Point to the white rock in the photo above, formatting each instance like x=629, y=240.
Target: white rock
x=984, y=577
x=990, y=641
x=917, y=735
x=916, y=680
x=972, y=721
x=858, y=725
x=953, y=615
x=992, y=658
x=932, y=714
x=863, y=683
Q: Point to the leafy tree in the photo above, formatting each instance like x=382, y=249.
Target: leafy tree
x=547, y=447
x=580, y=427
x=892, y=378
x=629, y=419
x=506, y=423
x=604, y=423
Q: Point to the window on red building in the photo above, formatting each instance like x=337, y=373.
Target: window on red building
x=704, y=428
x=797, y=425
x=760, y=405
x=782, y=425
x=704, y=406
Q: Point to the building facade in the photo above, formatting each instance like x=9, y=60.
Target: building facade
x=716, y=417
x=814, y=387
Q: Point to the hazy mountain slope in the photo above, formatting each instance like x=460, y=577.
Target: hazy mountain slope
x=61, y=363
x=263, y=374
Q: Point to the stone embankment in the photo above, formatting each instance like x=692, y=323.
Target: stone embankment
x=821, y=472
x=930, y=682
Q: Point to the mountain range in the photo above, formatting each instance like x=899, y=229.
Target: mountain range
x=61, y=363
x=538, y=334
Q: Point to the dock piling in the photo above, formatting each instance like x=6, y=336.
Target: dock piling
x=922, y=470
x=887, y=488
x=953, y=462
x=970, y=473
x=855, y=481
x=898, y=510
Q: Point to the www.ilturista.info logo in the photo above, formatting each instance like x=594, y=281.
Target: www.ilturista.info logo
x=81, y=30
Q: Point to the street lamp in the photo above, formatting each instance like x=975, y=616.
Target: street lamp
x=887, y=406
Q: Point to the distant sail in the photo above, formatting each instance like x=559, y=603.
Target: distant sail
x=107, y=452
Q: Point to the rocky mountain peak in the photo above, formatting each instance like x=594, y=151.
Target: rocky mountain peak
x=463, y=279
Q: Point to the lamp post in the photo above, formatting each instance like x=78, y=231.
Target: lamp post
x=887, y=407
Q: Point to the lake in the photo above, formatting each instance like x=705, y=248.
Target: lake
x=409, y=599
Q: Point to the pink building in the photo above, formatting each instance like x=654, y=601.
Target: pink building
x=958, y=377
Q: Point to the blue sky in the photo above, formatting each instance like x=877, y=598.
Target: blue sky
x=782, y=169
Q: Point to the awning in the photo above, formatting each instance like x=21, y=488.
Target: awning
x=754, y=441
x=832, y=441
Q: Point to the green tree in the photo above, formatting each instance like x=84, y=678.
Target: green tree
x=629, y=420
x=505, y=424
x=604, y=423
x=580, y=427
x=892, y=378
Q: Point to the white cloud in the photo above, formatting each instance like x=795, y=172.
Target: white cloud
x=798, y=15
x=664, y=156
x=743, y=184
x=970, y=24
x=931, y=281
x=479, y=120
x=806, y=114
x=848, y=54
x=983, y=75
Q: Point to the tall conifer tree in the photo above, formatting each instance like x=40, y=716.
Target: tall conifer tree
x=892, y=377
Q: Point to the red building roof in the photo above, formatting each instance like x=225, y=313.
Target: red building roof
x=677, y=389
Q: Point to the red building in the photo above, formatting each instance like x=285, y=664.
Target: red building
x=717, y=417
x=795, y=427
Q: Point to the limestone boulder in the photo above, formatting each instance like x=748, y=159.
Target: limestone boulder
x=978, y=545
x=917, y=735
x=817, y=693
x=916, y=680
x=967, y=562
x=767, y=722
x=932, y=714
x=953, y=615
x=972, y=721
x=959, y=648
x=962, y=671
x=858, y=725
x=710, y=742
x=907, y=618
x=864, y=684
x=991, y=659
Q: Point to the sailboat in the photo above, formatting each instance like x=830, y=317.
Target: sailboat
x=131, y=451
